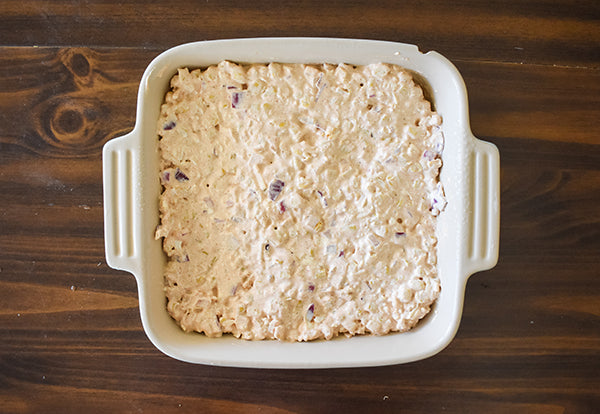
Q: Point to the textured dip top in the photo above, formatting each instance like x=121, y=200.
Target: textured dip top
x=299, y=201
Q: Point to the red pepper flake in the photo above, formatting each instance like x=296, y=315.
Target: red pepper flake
x=311, y=287
x=341, y=253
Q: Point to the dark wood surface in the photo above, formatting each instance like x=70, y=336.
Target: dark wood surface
x=71, y=339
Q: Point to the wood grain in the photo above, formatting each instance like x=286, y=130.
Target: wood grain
x=70, y=99
x=511, y=100
x=71, y=338
x=541, y=31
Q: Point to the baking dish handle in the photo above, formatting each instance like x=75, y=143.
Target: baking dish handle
x=484, y=212
x=119, y=176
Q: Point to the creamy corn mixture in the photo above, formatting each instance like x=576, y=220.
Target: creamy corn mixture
x=299, y=201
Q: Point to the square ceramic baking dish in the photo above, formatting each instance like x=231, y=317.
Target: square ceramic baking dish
x=468, y=229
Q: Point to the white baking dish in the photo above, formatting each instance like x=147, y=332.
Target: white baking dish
x=468, y=230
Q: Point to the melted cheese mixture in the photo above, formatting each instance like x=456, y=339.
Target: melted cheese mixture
x=299, y=201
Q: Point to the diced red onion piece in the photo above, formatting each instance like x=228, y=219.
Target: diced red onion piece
x=180, y=259
x=428, y=155
x=275, y=188
x=180, y=176
x=310, y=313
x=169, y=125
x=236, y=98
x=322, y=197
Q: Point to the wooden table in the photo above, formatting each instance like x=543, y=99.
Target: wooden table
x=71, y=339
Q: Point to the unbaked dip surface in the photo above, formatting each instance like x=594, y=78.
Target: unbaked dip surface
x=299, y=201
